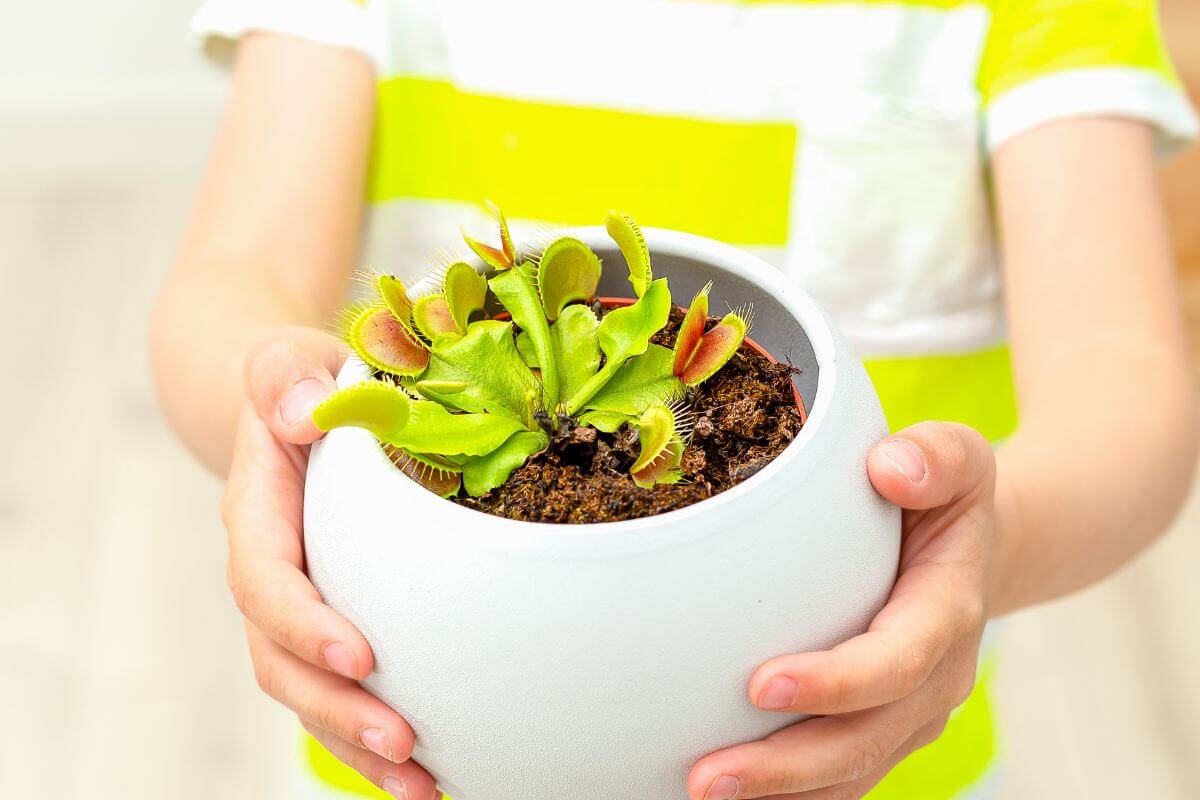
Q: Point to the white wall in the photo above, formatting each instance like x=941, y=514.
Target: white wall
x=96, y=87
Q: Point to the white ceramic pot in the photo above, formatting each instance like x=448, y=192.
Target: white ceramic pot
x=600, y=661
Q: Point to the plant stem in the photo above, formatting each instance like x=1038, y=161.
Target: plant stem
x=593, y=385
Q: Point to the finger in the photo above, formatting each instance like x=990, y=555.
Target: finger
x=878, y=667
x=854, y=790
x=406, y=781
x=815, y=753
x=287, y=375
x=931, y=608
x=334, y=704
x=279, y=600
x=262, y=514
x=931, y=464
x=809, y=755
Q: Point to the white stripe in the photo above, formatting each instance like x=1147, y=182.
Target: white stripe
x=727, y=60
x=1103, y=91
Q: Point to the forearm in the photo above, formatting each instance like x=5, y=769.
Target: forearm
x=1104, y=454
x=206, y=319
x=1083, y=487
x=274, y=233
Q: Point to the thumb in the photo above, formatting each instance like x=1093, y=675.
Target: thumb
x=931, y=464
x=287, y=375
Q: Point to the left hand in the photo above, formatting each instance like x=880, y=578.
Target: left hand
x=888, y=692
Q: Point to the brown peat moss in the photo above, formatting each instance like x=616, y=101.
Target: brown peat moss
x=746, y=415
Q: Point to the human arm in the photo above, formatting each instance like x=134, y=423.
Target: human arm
x=1105, y=451
x=266, y=257
x=1100, y=463
x=272, y=237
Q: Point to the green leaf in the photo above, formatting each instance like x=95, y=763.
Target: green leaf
x=574, y=338
x=481, y=474
x=569, y=271
x=465, y=291
x=628, y=236
x=525, y=348
x=378, y=406
x=641, y=382
x=440, y=387
x=624, y=333
x=574, y=345
x=487, y=362
x=433, y=429
x=515, y=288
x=607, y=421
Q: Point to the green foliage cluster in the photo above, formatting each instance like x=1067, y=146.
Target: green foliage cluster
x=466, y=398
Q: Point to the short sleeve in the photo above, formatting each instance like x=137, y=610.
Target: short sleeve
x=1050, y=59
x=357, y=25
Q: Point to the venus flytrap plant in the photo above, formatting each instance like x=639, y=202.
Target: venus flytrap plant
x=472, y=399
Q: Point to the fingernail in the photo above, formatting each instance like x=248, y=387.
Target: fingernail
x=376, y=740
x=299, y=401
x=723, y=787
x=906, y=458
x=780, y=692
x=395, y=787
x=339, y=659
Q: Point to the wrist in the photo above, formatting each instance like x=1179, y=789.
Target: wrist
x=1002, y=588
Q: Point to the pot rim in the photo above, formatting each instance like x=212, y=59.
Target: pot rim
x=481, y=527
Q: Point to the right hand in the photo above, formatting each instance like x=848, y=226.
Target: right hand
x=306, y=655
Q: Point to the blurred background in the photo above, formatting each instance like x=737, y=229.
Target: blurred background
x=121, y=655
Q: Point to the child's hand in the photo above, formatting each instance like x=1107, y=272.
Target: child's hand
x=889, y=691
x=305, y=655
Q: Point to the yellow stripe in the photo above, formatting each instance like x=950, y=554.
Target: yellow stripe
x=1032, y=38
x=956, y=760
x=918, y=3
x=333, y=773
x=727, y=180
x=975, y=389
x=938, y=772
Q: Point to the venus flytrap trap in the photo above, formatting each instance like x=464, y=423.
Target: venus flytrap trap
x=462, y=400
x=662, y=434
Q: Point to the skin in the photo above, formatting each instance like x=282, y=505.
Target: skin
x=1101, y=462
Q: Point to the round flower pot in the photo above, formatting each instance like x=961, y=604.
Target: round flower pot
x=578, y=662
